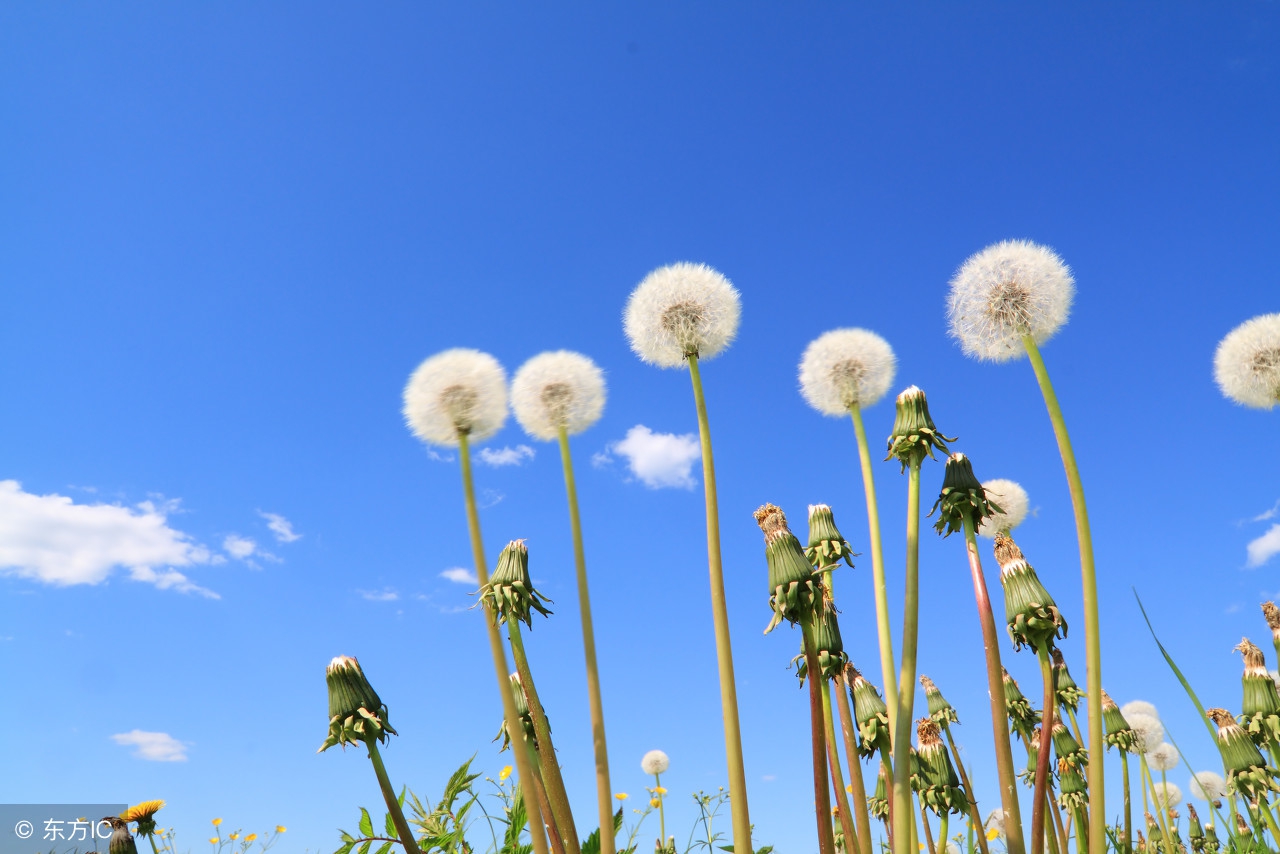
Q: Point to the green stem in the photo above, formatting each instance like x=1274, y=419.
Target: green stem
x=942, y=830
x=523, y=769
x=551, y=776
x=1041, y=789
x=928, y=831
x=720, y=621
x=821, y=794
x=975, y=817
x=1052, y=829
x=861, y=814
x=995, y=693
x=389, y=795
x=852, y=839
x=880, y=586
x=903, y=815
x=1128, y=809
x=1162, y=817
x=152, y=839
x=544, y=806
x=1270, y=819
x=1089, y=586
x=662, y=815
x=604, y=789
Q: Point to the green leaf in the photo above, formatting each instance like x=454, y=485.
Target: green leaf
x=366, y=823
x=346, y=846
x=400, y=799
x=364, y=849
x=1186, y=686
x=389, y=825
x=384, y=848
x=768, y=849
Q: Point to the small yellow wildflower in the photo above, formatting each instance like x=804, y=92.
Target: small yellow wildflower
x=280, y=828
x=234, y=836
x=653, y=803
x=213, y=840
x=660, y=790
x=251, y=837
x=142, y=811
x=849, y=788
x=505, y=772
x=622, y=796
x=993, y=833
x=217, y=821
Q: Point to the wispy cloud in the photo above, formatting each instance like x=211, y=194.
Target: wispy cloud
x=153, y=746
x=458, y=575
x=437, y=456
x=1268, y=514
x=658, y=460
x=239, y=547
x=506, y=456
x=1263, y=548
x=384, y=595
x=281, y=527
x=52, y=539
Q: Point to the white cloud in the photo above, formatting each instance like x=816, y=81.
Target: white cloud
x=1267, y=515
x=239, y=547
x=384, y=595
x=52, y=539
x=436, y=456
x=658, y=459
x=1264, y=548
x=153, y=746
x=281, y=527
x=506, y=456
x=458, y=575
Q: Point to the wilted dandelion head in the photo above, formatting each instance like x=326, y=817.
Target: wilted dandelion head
x=558, y=389
x=1139, y=707
x=1011, y=498
x=1247, y=363
x=844, y=368
x=457, y=391
x=1148, y=729
x=1207, y=786
x=1163, y=758
x=1167, y=795
x=655, y=762
x=681, y=310
x=1004, y=292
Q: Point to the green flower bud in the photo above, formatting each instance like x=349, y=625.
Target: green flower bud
x=826, y=638
x=878, y=803
x=1153, y=832
x=1032, y=743
x=1073, y=793
x=1030, y=611
x=1260, y=712
x=826, y=547
x=522, y=712
x=1023, y=718
x=1247, y=771
x=940, y=711
x=1119, y=733
x=870, y=712
x=939, y=785
x=1069, y=693
x=914, y=433
x=1067, y=748
x=962, y=497
x=1194, y=831
x=356, y=714
x=510, y=592
x=1211, y=843
x=793, y=590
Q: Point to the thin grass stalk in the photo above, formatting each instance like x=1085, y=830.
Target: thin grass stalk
x=995, y=692
x=862, y=816
x=852, y=838
x=903, y=815
x=1089, y=587
x=389, y=795
x=1041, y=790
x=821, y=793
x=880, y=586
x=720, y=620
x=557, y=795
x=604, y=788
x=523, y=769
x=974, y=815
x=548, y=818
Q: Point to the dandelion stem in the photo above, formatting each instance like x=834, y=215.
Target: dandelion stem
x=928, y=831
x=1040, y=796
x=1128, y=809
x=389, y=795
x=662, y=815
x=604, y=791
x=1089, y=585
x=995, y=692
x=974, y=816
x=853, y=839
x=1161, y=813
x=544, y=806
x=903, y=816
x=880, y=586
x=861, y=814
x=1054, y=829
x=523, y=769
x=1265, y=808
x=821, y=793
x=720, y=620
x=942, y=829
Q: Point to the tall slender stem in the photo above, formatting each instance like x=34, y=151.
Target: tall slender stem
x=1089, y=586
x=903, y=815
x=604, y=790
x=852, y=839
x=880, y=586
x=1270, y=819
x=1041, y=790
x=975, y=817
x=942, y=830
x=928, y=831
x=995, y=693
x=720, y=621
x=548, y=818
x=1150, y=783
x=662, y=814
x=861, y=814
x=393, y=803
x=523, y=768
x=1128, y=809
x=821, y=793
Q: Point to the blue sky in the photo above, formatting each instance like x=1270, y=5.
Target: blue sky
x=230, y=232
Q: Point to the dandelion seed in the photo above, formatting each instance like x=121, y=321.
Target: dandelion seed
x=1247, y=362
x=1004, y=292
x=1148, y=730
x=655, y=762
x=679, y=311
x=557, y=389
x=846, y=368
x=1012, y=500
x=1163, y=758
x=1167, y=795
x=1207, y=786
x=457, y=391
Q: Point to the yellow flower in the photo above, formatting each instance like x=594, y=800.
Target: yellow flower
x=213, y=840
x=142, y=811
x=622, y=796
x=653, y=802
x=660, y=790
x=993, y=833
x=235, y=835
x=217, y=821
x=280, y=828
x=251, y=837
x=505, y=772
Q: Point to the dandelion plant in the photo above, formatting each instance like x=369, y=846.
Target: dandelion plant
x=1247, y=362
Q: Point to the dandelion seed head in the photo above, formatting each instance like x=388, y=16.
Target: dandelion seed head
x=1012, y=499
x=681, y=310
x=1247, y=362
x=1163, y=758
x=846, y=367
x=1207, y=786
x=1148, y=729
x=655, y=762
x=1139, y=707
x=457, y=391
x=1008, y=290
x=1167, y=795
x=557, y=389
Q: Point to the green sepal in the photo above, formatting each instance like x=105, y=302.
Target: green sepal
x=962, y=498
x=914, y=433
x=510, y=592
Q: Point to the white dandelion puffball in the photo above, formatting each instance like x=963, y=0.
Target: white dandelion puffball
x=554, y=390
x=1012, y=499
x=1163, y=758
x=1149, y=730
x=457, y=391
x=1207, y=786
x=654, y=762
x=681, y=310
x=1247, y=363
x=1139, y=707
x=844, y=368
x=1167, y=795
x=1008, y=290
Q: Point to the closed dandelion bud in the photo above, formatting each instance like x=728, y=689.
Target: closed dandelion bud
x=914, y=433
x=1023, y=719
x=1073, y=793
x=940, y=786
x=1032, y=616
x=510, y=592
x=1243, y=832
x=1211, y=843
x=878, y=803
x=1153, y=832
x=826, y=547
x=356, y=714
x=1272, y=615
x=793, y=592
x=940, y=711
x=1195, y=832
x=962, y=497
x=1032, y=743
x=870, y=712
x=1067, y=748
x=1260, y=712
x=1069, y=693
x=1119, y=733
x=1247, y=771
x=522, y=712
x=826, y=639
